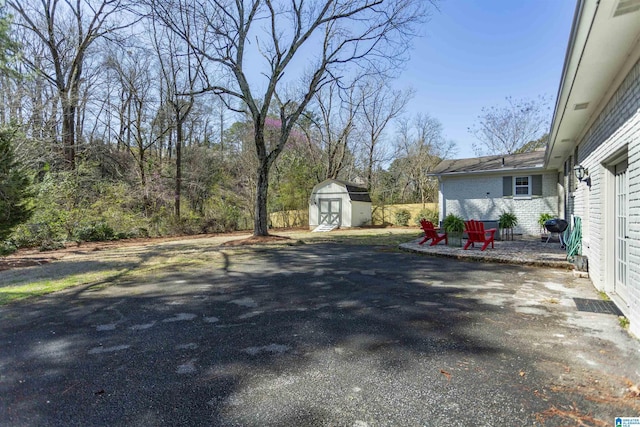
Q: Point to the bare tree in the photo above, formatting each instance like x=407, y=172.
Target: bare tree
x=508, y=129
x=421, y=146
x=338, y=108
x=180, y=74
x=134, y=71
x=30, y=103
x=324, y=36
x=67, y=29
x=380, y=105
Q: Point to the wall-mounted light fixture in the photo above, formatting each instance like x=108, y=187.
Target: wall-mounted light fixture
x=582, y=174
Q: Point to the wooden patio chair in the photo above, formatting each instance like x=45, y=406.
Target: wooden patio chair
x=477, y=234
x=431, y=233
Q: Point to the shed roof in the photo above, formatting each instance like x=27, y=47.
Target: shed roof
x=356, y=193
x=500, y=163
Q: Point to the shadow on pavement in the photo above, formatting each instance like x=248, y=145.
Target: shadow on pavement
x=313, y=335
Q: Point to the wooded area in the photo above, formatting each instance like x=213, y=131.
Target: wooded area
x=160, y=117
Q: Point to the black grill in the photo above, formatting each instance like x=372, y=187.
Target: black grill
x=556, y=225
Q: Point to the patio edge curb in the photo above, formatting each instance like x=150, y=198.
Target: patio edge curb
x=565, y=265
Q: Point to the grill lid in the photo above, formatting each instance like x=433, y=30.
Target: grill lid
x=556, y=225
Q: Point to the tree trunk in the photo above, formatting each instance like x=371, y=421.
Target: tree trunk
x=260, y=227
x=370, y=165
x=68, y=135
x=143, y=183
x=178, y=166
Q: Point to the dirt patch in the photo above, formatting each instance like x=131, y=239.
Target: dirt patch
x=32, y=257
x=7, y=264
x=259, y=240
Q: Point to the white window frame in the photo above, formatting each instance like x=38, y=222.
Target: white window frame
x=528, y=186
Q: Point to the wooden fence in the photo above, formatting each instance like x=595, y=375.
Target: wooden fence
x=380, y=215
x=386, y=214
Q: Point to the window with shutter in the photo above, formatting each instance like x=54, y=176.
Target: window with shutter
x=522, y=186
x=536, y=185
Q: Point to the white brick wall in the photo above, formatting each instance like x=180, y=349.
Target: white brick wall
x=616, y=131
x=480, y=197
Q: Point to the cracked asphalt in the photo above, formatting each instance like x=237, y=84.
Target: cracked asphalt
x=324, y=334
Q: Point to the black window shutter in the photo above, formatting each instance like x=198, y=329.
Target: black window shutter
x=536, y=187
x=507, y=186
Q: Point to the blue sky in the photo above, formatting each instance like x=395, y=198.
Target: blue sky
x=473, y=54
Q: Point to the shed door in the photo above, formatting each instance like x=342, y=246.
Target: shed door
x=621, y=217
x=330, y=212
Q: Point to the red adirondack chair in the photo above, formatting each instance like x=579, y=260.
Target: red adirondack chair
x=477, y=234
x=430, y=232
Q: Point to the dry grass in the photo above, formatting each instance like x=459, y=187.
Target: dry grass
x=29, y=273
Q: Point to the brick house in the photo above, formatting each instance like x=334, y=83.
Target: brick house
x=482, y=188
x=595, y=133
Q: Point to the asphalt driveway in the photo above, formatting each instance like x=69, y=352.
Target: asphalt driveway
x=318, y=334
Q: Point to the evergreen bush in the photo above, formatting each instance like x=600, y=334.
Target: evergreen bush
x=402, y=217
x=15, y=191
x=428, y=214
x=453, y=224
x=95, y=232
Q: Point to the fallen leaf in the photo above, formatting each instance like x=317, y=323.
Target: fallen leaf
x=635, y=390
x=522, y=373
x=446, y=374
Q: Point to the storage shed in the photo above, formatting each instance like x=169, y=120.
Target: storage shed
x=335, y=203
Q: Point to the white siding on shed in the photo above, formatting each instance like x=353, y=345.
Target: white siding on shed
x=360, y=214
x=353, y=213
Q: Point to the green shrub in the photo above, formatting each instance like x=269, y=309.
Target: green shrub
x=507, y=220
x=115, y=204
x=453, y=224
x=15, y=190
x=37, y=235
x=221, y=216
x=429, y=215
x=402, y=217
x=7, y=247
x=95, y=232
x=51, y=246
x=544, y=217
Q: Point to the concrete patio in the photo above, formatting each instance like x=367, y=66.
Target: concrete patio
x=524, y=250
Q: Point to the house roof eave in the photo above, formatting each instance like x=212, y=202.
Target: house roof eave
x=603, y=47
x=502, y=171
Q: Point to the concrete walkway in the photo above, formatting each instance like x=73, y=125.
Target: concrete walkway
x=524, y=250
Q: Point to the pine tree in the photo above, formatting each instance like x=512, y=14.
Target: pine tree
x=14, y=187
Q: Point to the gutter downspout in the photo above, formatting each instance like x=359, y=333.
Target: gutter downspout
x=442, y=205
